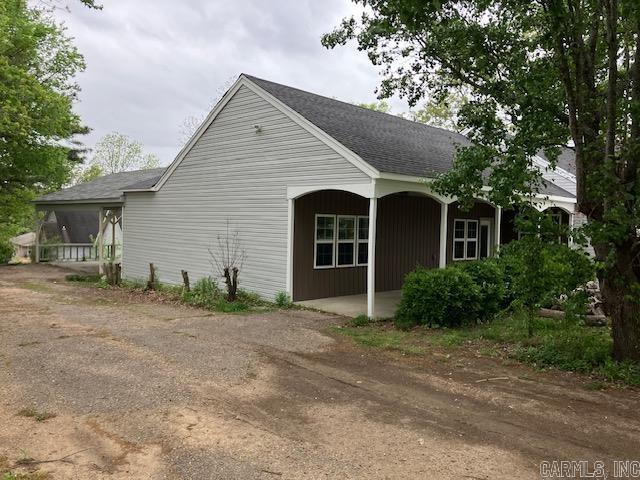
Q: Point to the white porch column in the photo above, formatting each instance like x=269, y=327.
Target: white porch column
x=100, y=242
x=290, y=226
x=371, y=265
x=444, y=215
x=497, y=231
x=572, y=217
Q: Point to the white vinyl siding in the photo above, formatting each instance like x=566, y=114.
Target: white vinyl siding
x=237, y=174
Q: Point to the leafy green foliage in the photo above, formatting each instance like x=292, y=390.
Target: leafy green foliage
x=204, y=293
x=380, y=106
x=540, y=75
x=6, y=250
x=37, y=123
x=488, y=277
x=539, y=272
x=115, y=153
x=283, y=300
x=438, y=298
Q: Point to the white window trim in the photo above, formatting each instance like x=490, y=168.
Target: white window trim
x=359, y=240
x=332, y=242
x=356, y=241
x=465, y=240
x=352, y=241
x=488, y=223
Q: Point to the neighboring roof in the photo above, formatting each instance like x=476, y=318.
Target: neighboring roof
x=25, y=240
x=103, y=189
x=566, y=160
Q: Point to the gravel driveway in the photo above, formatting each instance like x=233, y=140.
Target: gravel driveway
x=143, y=389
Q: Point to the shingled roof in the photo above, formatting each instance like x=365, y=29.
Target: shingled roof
x=103, y=189
x=388, y=143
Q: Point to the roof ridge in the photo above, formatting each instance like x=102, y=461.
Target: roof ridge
x=368, y=110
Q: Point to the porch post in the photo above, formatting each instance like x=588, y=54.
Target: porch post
x=100, y=243
x=371, y=256
x=444, y=214
x=290, y=221
x=497, y=231
x=37, y=239
x=571, y=224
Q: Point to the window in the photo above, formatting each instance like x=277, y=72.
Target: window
x=363, y=240
x=465, y=239
x=346, y=241
x=325, y=241
x=341, y=241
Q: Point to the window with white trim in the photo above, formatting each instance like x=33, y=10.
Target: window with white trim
x=465, y=239
x=345, y=250
x=325, y=241
x=341, y=241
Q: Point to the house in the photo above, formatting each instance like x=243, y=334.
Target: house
x=328, y=199
x=23, y=245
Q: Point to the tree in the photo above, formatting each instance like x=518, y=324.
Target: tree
x=441, y=111
x=37, y=122
x=86, y=174
x=191, y=123
x=380, y=106
x=542, y=74
x=116, y=152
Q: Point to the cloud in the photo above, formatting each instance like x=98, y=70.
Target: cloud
x=151, y=63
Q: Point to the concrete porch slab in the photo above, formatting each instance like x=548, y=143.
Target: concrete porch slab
x=354, y=305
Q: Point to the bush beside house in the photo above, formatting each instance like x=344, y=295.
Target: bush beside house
x=527, y=275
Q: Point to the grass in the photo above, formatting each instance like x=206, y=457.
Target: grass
x=211, y=299
x=31, y=412
x=556, y=344
x=7, y=473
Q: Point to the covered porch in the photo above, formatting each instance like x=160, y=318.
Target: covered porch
x=69, y=233
x=350, y=246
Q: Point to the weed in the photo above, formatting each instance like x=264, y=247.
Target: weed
x=283, y=300
x=78, y=278
x=361, y=321
x=595, y=385
x=31, y=412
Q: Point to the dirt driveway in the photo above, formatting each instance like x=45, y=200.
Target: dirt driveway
x=149, y=390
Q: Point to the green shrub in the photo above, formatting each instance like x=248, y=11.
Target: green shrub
x=205, y=293
x=488, y=276
x=283, y=300
x=6, y=250
x=361, y=320
x=440, y=297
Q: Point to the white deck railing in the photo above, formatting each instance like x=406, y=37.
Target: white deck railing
x=77, y=252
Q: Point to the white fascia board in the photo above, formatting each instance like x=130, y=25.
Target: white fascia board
x=541, y=162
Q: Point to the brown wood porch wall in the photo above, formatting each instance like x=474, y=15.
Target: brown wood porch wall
x=407, y=235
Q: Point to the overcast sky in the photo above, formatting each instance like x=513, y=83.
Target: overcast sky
x=151, y=63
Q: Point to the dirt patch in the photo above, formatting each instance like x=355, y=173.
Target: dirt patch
x=148, y=390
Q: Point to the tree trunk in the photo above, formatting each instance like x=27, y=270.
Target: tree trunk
x=231, y=280
x=623, y=307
